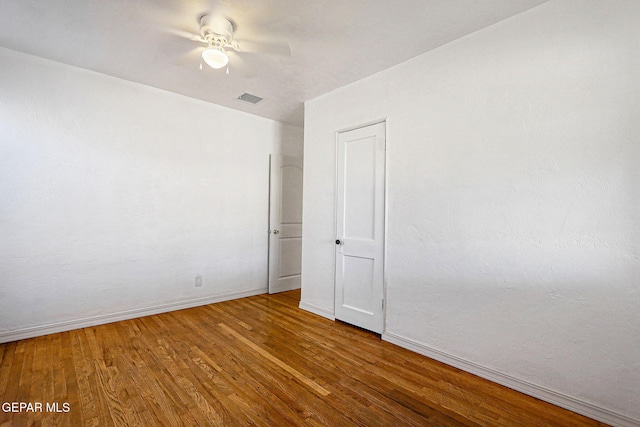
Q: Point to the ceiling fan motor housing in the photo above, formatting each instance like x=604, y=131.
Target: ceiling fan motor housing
x=216, y=30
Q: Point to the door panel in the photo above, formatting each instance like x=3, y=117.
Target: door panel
x=291, y=191
x=359, y=197
x=358, y=274
x=290, y=256
x=360, y=227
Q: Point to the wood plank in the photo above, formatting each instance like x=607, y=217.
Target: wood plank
x=72, y=390
x=268, y=356
x=88, y=353
x=254, y=361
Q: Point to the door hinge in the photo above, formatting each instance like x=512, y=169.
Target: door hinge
x=382, y=301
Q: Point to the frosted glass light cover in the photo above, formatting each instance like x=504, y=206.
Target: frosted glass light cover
x=215, y=58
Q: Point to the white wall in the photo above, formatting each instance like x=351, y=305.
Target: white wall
x=513, y=170
x=114, y=196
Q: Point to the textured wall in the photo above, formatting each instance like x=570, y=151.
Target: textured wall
x=114, y=196
x=513, y=198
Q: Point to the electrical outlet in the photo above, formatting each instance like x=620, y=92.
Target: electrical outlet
x=198, y=281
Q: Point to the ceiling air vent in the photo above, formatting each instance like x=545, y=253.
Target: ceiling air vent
x=251, y=99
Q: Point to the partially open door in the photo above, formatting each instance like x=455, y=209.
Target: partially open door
x=285, y=233
x=359, y=282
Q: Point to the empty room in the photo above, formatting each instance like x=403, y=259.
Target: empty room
x=329, y=213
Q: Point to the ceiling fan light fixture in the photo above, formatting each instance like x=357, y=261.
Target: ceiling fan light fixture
x=215, y=57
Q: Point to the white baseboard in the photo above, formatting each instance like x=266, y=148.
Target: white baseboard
x=317, y=310
x=52, y=328
x=285, y=284
x=539, y=392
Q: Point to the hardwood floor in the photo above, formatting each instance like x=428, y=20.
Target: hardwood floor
x=254, y=361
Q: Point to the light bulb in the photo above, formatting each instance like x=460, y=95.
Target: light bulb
x=215, y=57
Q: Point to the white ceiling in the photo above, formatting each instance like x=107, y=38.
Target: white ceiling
x=333, y=42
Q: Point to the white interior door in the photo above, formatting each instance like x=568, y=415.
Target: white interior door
x=285, y=233
x=359, y=296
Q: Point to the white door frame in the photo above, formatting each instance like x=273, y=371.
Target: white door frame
x=384, y=213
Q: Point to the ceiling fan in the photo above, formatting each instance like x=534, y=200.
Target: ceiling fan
x=217, y=32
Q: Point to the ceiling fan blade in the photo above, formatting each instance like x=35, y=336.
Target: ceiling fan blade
x=192, y=57
x=240, y=66
x=187, y=35
x=270, y=48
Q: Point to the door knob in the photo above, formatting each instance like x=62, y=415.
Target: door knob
x=338, y=242
x=276, y=231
